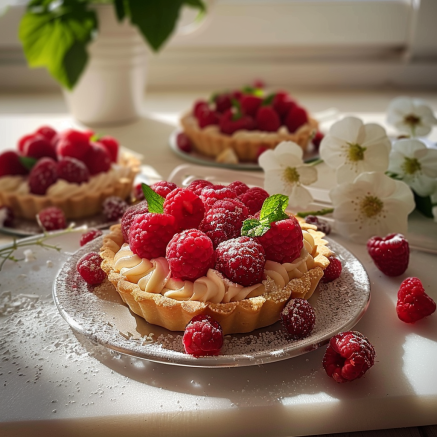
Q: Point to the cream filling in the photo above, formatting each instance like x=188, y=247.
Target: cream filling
x=153, y=276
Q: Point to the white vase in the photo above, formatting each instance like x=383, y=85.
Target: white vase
x=111, y=88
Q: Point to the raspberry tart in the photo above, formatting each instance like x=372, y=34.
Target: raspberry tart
x=237, y=126
x=168, y=275
x=72, y=170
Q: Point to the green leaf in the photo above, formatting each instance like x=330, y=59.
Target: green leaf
x=120, y=9
x=323, y=211
x=56, y=39
x=28, y=162
x=424, y=205
x=198, y=4
x=156, y=19
x=155, y=202
x=268, y=100
x=254, y=228
x=273, y=208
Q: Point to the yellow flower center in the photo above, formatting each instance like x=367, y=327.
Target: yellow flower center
x=371, y=206
x=411, y=165
x=356, y=152
x=412, y=120
x=291, y=175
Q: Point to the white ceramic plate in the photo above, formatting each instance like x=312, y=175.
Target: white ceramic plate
x=99, y=314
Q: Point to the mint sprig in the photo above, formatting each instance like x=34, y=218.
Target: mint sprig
x=155, y=202
x=28, y=162
x=273, y=210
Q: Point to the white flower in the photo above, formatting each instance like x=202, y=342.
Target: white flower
x=412, y=116
x=415, y=164
x=352, y=147
x=285, y=173
x=374, y=204
x=29, y=256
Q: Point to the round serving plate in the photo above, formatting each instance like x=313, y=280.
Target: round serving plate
x=98, y=313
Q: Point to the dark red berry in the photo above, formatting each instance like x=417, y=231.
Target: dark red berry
x=89, y=268
x=72, y=170
x=296, y=117
x=10, y=164
x=322, y=225
x=111, y=145
x=333, y=271
x=97, y=159
x=39, y=147
x=90, y=235
x=267, y=119
x=6, y=216
x=183, y=142
x=114, y=207
x=43, y=174
x=298, y=318
x=51, y=219
x=163, y=188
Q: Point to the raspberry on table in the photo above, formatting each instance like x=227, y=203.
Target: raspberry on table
x=203, y=336
x=198, y=185
x=129, y=216
x=224, y=220
x=10, y=164
x=186, y=207
x=89, y=268
x=390, y=254
x=211, y=194
x=283, y=241
x=241, y=260
x=298, y=318
x=239, y=187
x=72, y=170
x=333, y=271
x=322, y=225
x=6, y=216
x=51, y=219
x=114, y=207
x=43, y=174
x=150, y=233
x=97, y=159
x=254, y=198
x=413, y=303
x=190, y=254
x=89, y=235
x=349, y=356
x=163, y=188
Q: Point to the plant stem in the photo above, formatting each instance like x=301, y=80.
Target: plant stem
x=314, y=161
x=323, y=211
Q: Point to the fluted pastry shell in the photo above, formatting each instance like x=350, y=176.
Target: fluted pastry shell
x=235, y=317
x=246, y=144
x=76, y=206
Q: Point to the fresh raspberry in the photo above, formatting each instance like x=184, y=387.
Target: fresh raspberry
x=48, y=133
x=223, y=102
x=322, y=225
x=283, y=103
x=259, y=83
x=22, y=141
x=198, y=185
x=10, y=164
x=73, y=143
x=390, y=254
x=51, y=219
x=130, y=215
x=97, y=159
x=224, y=220
x=150, y=233
x=6, y=216
x=241, y=260
x=72, y=170
x=138, y=192
x=349, y=356
x=183, y=142
x=254, y=198
x=199, y=106
x=88, y=133
x=203, y=336
x=267, y=119
x=43, y=174
x=250, y=105
x=114, y=207
x=90, y=235
x=190, y=254
x=298, y=318
x=186, y=207
x=111, y=145
x=230, y=123
x=239, y=187
x=318, y=137
x=283, y=241
x=39, y=147
x=296, y=117
x=89, y=268
x=163, y=188
x=211, y=194
x=206, y=117
x=413, y=303
x=333, y=271
x=237, y=94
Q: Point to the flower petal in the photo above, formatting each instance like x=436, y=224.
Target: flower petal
x=332, y=151
x=274, y=183
x=428, y=161
x=267, y=161
x=307, y=174
x=289, y=148
x=300, y=197
x=347, y=129
x=421, y=184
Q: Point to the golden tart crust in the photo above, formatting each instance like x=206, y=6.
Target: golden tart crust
x=246, y=144
x=235, y=317
x=77, y=205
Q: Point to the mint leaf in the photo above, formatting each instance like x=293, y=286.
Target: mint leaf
x=273, y=208
x=254, y=228
x=268, y=100
x=155, y=202
x=28, y=162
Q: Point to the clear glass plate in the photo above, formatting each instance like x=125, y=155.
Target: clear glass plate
x=99, y=314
